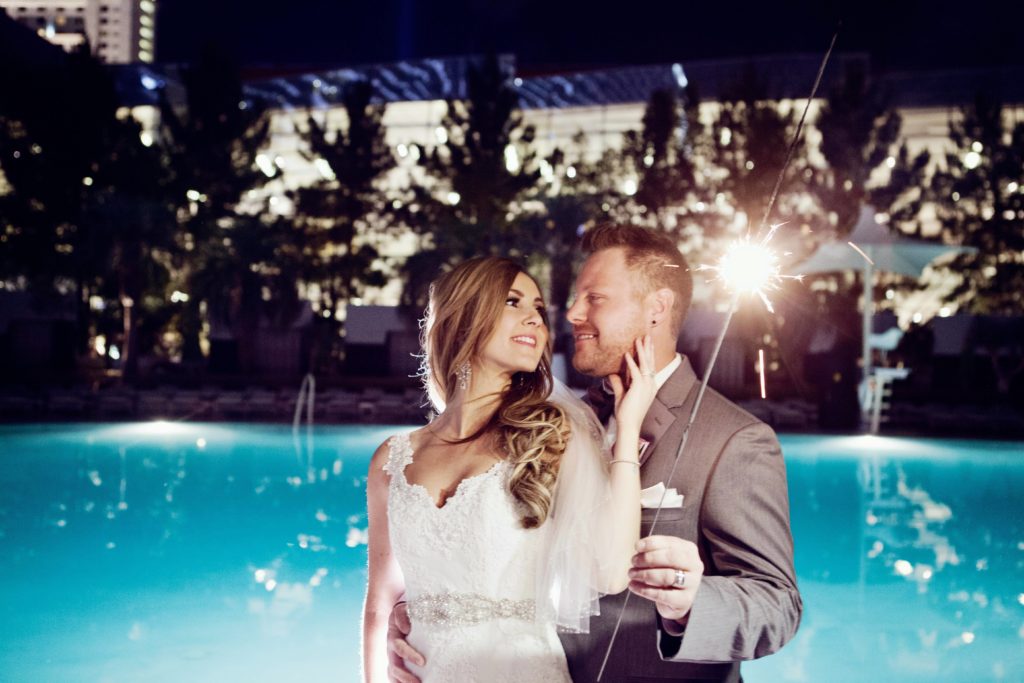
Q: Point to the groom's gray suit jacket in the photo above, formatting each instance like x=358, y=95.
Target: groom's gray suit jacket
x=736, y=509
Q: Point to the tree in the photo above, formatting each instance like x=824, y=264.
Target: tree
x=249, y=276
x=236, y=256
x=470, y=200
x=85, y=214
x=979, y=199
x=865, y=164
x=649, y=181
x=751, y=136
x=656, y=183
x=131, y=220
x=343, y=216
x=860, y=134
x=50, y=140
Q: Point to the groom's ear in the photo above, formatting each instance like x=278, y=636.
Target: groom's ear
x=659, y=306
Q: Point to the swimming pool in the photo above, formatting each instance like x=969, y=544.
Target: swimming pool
x=208, y=552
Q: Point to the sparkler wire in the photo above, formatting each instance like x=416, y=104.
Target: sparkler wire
x=718, y=342
x=679, y=452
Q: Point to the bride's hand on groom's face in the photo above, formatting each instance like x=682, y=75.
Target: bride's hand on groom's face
x=399, y=650
x=653, y=575
x=633, y=401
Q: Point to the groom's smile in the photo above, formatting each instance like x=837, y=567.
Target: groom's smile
x=606, y=316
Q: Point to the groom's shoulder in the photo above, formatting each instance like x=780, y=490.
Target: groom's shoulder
x=715, y=411
x=725, y=414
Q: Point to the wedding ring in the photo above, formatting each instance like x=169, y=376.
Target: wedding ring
x=680, y=579
x=648, y=374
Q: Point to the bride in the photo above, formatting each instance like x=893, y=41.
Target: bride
x=503, y=518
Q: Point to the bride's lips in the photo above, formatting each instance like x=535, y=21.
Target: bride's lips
x=525, y=340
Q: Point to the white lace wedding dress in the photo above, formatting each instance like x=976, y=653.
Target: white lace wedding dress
x=470, y=572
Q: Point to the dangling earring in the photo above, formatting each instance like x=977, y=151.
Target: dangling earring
x=463, y=373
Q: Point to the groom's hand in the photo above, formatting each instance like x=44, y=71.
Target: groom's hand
x=399, y=650
x=653, y=575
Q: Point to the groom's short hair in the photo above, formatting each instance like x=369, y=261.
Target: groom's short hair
x=653, y=256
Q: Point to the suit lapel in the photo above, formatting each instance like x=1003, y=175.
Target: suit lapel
x=663, y=411
x=659, y=417
x=665, y=408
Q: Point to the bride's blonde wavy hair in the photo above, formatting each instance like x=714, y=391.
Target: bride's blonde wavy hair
x=465, y=304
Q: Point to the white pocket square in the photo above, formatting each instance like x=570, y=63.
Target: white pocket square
x=650, y=497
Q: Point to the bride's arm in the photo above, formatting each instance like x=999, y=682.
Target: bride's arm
x=385, y=584
x=621, y=518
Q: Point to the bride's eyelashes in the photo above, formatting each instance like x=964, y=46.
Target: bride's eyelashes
x=541, y=308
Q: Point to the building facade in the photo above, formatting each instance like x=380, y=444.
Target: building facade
x=117, y=31
x=599, y=107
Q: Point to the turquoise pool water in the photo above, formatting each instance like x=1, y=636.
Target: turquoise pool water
x=199, y=552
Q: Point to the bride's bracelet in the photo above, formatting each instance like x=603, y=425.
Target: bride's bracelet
x=628, y=462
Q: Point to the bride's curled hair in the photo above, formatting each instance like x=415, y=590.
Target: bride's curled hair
x=465, y=304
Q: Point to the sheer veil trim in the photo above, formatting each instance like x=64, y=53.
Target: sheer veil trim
x=569, y=566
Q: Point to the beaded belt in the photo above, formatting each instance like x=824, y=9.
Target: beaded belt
x=456, y=609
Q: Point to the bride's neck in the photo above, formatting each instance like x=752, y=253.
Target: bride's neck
x=470, y=408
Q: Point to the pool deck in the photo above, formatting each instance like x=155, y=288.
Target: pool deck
x=210, y=404
x=409, y=406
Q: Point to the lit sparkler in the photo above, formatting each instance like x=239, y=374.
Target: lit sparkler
x=748, y=266
x=751, y=266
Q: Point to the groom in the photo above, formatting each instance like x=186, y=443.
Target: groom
x=717, y=579
x=719, y=572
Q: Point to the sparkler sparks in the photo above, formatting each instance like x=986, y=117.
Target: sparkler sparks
x=751, y=267
x=861, y=252
x=760, y=370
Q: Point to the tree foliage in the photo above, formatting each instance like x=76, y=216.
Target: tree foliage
x=656, y=181
x=344, y=216
x=470, y=198
x=865, y=161
x=237, y=257
x=979, y=199
x=95, y=209
x=85, y=213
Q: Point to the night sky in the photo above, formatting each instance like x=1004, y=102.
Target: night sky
x=558, y=34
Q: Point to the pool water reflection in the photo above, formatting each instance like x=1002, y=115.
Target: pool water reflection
x=169, y=552
x=909, y=556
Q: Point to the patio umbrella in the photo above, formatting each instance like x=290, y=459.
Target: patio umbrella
x=887, y=252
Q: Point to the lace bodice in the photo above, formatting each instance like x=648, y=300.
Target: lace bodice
x=474, y=544
x=470, y=572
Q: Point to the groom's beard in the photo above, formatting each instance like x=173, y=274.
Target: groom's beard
x=604, y=354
